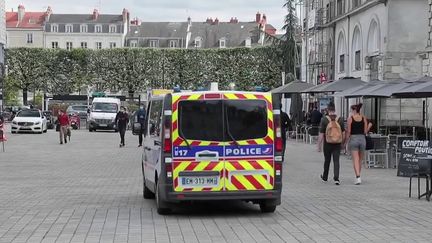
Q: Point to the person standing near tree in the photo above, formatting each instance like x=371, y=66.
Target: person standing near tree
x=63, y=123
x=332, y=134
x=121, y=121
x=141, y=115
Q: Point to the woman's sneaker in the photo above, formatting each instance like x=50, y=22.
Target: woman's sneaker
x=358, y=181
x=337, y=182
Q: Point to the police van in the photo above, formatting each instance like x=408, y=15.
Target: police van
x=213, y=145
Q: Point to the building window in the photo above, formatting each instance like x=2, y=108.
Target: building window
x=356, y=3
x=342, y=63
x=154, y=43
x=69, y=45
x=133, y=43
x=357, y=61
x=84, y=45
x=222, y=43
x=98, y=45
x=98, y=28
x=69, y=28
x=30, y=38
x=113, y=29
x=113, y=45
x=340, y=7
x=84, y=28
x=198, y=42
x=173, y=43
x=54, y=44
x=54, y=28
x=248, y=42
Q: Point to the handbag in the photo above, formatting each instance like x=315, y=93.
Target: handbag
x=57, y=127
x=369, y=143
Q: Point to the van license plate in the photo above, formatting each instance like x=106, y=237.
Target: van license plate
x=103, y=125
x=202, y=181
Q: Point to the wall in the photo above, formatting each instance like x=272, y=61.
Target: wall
x=76, y=39
x=18, y=38
x=407, y=35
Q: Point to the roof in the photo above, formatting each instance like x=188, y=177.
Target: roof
x=236, y=33
x=31, y=20
x=219, y=92
x=159, y=30
x=85, y=18
x=270, y=27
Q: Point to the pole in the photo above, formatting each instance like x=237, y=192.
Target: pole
x=427, y=119
x=400, y=116
x=283, y=78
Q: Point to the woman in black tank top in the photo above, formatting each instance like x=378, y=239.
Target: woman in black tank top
x=357, y=129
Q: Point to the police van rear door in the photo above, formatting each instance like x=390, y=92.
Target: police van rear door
x=249, y=155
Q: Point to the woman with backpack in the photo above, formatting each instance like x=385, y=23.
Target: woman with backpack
x=332, y=134
x=357, y=128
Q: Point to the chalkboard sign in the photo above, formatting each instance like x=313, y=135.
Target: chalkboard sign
x=410, y=152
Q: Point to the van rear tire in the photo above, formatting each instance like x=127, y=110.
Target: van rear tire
x=161, y=206
x=267, y=208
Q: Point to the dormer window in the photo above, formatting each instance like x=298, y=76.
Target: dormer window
x=248, y=42
x=84, y=28
x=54, y=28
x=113, y=29
x=198, y=42
x=98, y=28
x=222, y=43
x=173, y=43
x=69, y=28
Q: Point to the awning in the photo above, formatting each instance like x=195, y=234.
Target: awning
x=422, y=88
x=294, y=87
x=376, y=89
x=336, y=86
x=352, y=93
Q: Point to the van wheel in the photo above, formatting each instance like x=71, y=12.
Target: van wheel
x=267, y=208
x=161, y=206
x=147, y=194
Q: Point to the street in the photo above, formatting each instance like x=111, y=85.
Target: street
x=90, y=190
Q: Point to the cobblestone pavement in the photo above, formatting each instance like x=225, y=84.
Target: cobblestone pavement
x=91, y=191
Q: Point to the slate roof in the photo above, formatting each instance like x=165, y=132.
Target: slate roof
x=159, y=30
x=235, y=33
x=85, y=18
x=31, y=20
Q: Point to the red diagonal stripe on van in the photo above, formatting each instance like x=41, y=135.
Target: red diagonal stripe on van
x=174, y=126
x=192, y=166
x=256, y=165
x=188, y=189
x=268, y=140
x=237, y=184
x=254, y=182
x=270, y=124
x=195, y=143
x=260, y=97
x=178, y=141
x=206, y=189
x=236, y=165
x=210, y=166
x=265, y=177
x=271, y=180
x=176, y=182
x=240, y=96
x=270, y=162
x=251, y=142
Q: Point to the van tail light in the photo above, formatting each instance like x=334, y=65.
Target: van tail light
x=167, y=133
x=278, y=131
x=168, y=167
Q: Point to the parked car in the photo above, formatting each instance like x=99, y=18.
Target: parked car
x=50, y=119
x=81, y=110
x=29, y=121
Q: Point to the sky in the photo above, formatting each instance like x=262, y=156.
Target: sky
x=165, y=10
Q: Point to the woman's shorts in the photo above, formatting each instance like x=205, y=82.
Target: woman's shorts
x=357, y=143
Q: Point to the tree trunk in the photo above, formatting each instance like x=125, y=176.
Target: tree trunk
x=131, y=96
x=25, y=96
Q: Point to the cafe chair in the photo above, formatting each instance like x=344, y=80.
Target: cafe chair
x=424, y=171
x=312, y=134
x=380, y=149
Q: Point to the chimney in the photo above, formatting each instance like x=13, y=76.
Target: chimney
x=48, y=13
x=258, y=17
x=21, y=12
x=125, y=14
x=95, y=14
x=231, y=20
x=236, y=20
x=216, y=21
x=135, y=22
x=209, y=21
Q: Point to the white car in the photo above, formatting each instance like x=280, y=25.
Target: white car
x=29, y=121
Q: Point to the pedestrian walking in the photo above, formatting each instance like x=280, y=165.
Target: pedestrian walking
x=121, y=121
x=141, y=116
x=315, y=117
x=357, y=128
x=285, y=124
x=332, y=135
x=63, y=123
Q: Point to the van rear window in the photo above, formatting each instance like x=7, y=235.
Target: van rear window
x=216, y=120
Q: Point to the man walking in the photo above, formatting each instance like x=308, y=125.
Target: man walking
x=141, y=115
x=315, y=117
x=332, y=134
x=122, y=120
x=63, y=122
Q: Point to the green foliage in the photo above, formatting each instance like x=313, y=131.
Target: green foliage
x=138, y=69
x=10, y=92
x=289, y=46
